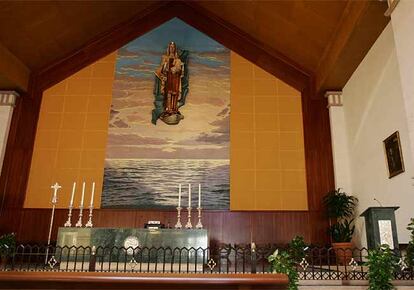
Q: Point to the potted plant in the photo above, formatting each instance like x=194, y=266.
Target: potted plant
x=382, y=264
x=7, y=245
x=340, y=208
x=297, y=249
x=409, y=260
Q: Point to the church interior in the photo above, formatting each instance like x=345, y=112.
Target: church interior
x=214, y=144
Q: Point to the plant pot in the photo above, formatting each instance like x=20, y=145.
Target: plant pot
x=3, y=262
x=343, y=252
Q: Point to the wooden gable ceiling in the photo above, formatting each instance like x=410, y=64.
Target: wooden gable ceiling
x=312, y=37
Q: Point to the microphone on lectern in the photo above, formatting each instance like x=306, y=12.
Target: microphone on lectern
x=378, y=202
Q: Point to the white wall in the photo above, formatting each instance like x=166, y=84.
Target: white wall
x=402, y=20
x=373, y=110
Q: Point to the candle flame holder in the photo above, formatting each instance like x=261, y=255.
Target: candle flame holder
x=189, y=225
x=199, y=225
x=79, y=223
x=178, y=225
x=68, y=223
x=89, y=223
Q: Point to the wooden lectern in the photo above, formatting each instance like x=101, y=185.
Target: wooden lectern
x=380, y=227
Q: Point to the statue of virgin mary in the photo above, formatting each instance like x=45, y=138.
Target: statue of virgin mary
x=171, y=86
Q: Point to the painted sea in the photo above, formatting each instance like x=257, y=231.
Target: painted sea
x=153, y=183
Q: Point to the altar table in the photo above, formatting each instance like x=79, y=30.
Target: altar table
x=128, y=239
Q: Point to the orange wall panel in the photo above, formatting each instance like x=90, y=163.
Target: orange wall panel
x=267, y=149
x=267, y=159
x=71, y=136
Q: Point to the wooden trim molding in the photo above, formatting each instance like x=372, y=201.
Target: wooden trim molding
x=361, y=24
x=99, y=280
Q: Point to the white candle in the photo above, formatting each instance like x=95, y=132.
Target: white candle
x=73, y=194
x=199, y=195
x=179, y=195
x=83, y=194
x=189, y=195
x=93, y=193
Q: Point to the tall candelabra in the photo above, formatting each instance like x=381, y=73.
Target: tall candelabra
x=68, y=223
x=55, y=188
x=89, y=223
x=189, y=225
x=199, y=225
x=79, y=223
x=178, y=225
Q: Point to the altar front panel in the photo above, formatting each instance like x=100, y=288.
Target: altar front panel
x=140, y=244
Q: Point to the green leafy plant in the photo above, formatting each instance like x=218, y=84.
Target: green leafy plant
x=339, y=204
x=7, y=244
x=382, y=264
x=297, y=249
x=409, y=260
x=342, y=231
x=281, y=262
x=340, y=208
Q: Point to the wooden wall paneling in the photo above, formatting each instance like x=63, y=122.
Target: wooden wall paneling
x=262, y=227
x=290, y=224
x=319, y=161
x=236, y=227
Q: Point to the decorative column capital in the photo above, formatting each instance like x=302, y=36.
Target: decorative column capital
x=391, y=7
x=334, y=98
x=8, y=98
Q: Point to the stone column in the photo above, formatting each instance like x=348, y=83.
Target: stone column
x=7, y=102
x=339, y=138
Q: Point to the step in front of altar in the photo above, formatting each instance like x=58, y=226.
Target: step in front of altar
x=126, y=244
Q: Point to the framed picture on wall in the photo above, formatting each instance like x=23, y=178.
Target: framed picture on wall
x=393, y=154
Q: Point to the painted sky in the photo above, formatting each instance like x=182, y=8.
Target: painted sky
x=204, y=132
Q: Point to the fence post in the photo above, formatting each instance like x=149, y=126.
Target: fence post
x=92, y=260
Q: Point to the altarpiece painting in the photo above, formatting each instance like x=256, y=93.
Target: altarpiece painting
x=164, y=133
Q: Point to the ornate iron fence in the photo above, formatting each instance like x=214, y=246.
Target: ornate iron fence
x=317, y=264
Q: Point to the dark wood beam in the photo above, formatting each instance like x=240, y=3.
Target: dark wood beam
x=14, y=75
x=257, y=52
x=361, y=24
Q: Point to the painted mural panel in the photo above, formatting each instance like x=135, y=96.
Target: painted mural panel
x=145, y=162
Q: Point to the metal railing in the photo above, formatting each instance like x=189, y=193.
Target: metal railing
x=318, y=263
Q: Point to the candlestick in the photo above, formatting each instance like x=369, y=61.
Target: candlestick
x=55, y=188
x=199, y=225
x=93, y=194
x=89, y=223
x=73, y=194
x=179, y=195
x=178, y=225
x=83, y=194
x=189, y=195
x=189, y=225
x=79, y=223
x=68, y=223
x=199, y=195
